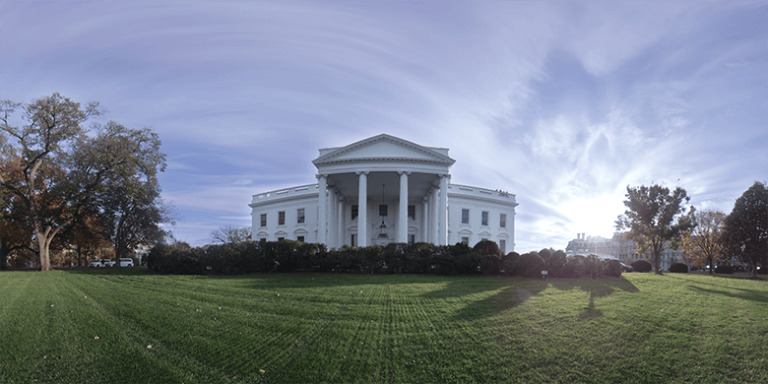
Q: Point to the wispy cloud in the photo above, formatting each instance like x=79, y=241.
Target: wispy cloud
x=563, y=104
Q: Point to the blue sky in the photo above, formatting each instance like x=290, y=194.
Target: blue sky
x=562, y=103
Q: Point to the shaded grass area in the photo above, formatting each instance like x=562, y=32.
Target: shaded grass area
x=359, y=328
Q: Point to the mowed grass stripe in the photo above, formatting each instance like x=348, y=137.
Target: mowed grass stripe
x=117, y=324
x=322, y=328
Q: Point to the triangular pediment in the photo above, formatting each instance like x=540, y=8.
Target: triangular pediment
x=383, y=147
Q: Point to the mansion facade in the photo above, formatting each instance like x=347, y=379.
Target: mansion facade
x=381, y=190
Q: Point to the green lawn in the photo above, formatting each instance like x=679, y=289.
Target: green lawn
x=356, y=328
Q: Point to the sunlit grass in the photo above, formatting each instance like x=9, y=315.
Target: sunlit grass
x=360, y=328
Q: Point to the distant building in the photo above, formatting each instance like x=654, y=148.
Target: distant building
x=381, y=190
x=617, y=248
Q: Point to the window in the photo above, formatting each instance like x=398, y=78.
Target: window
x=484, y=218
x=411, y=239
x=281, y=218
x=503, y=220
x=300, y=216
x=280, y=238
x=383, y=210
x=354, y=212
x=353, y=240
x=412, y=212
x=263, y=219
x=465, y=240
x=503, y=246
x=301, y=239
x=465, y=216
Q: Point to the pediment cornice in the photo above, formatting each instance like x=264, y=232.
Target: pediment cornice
x=408, y=153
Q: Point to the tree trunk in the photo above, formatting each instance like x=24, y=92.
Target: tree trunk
x=3, y=259
x=711, y=267
x=42, y=251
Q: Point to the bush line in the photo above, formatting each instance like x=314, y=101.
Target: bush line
x=287, y=256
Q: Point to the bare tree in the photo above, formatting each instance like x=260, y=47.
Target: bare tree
x=232, y=234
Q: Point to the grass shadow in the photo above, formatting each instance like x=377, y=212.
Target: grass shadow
x=597, y=289
x=515, y=292
x=748, y=294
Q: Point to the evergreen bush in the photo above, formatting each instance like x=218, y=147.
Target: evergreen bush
x=531, y=264
x=678, y=268
x=641, y=266
x=612, y=268
x=726, y=269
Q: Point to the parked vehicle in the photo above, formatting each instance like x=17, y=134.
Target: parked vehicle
x=125, y=262
x=101, y=263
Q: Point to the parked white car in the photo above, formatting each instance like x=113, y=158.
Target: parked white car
x=125, y=262
x=101, y=263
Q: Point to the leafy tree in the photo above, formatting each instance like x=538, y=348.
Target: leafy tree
x=656, y=218
x=232, y=234
x=129, y=197
x=746, y=227
x=703, y=241
x=13, y=235
x=50, y=124
x=63, y=176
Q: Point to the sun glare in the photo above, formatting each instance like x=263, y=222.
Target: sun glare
x=595, y=217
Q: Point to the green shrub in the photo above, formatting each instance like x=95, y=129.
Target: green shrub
x=487, y=247
x=726, y=269
x=641, y=266
x=612, y=268
x=678, y=268
x=509, y=263
x=491, y=265
x=573, y=267
x=553, y=261
x=531, y=264
x=593, y=266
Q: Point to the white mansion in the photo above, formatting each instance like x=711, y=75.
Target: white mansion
x=382, y=190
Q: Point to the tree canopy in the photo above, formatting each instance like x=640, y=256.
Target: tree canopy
x=61, y=174
x=655, y=219
x=746, y=227
x=703, y=241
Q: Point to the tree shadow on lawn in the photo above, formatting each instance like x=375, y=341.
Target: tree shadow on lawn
x=597, y=288
x=520, y=290
x=748, y=294
x=516, y=292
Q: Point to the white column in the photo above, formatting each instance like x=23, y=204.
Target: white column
x=402, y=225
x=340, y=223
x=433, y=217
x=322, y=204
x=362, y=210
x=442, y=216
x=424, y=218
x=331, y=206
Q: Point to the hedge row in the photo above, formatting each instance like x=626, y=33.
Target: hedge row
x=291, y=256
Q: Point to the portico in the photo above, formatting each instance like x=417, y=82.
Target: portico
x=381, y=190
x=371, y=191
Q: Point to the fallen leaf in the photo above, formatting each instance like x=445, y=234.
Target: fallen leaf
x=95, y=337
x=261, y=372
